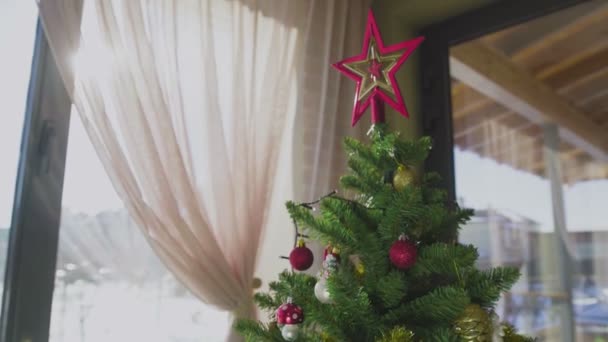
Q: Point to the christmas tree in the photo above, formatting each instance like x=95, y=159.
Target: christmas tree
x=393, y=269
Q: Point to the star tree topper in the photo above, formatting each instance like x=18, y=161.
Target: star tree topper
x=374, y=71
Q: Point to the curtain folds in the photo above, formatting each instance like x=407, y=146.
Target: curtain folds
x=326, y=98
x=186, y=103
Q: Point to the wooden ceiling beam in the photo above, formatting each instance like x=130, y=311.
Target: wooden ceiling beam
x=500, y=79
x=467, y=107
x=596, y=17
x=570, y=72
x=498, y=35
x=469, y=123
x=584, y=68
x=586, y=61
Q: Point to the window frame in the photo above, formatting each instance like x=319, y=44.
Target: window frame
x=34, y=231
x=435, y=85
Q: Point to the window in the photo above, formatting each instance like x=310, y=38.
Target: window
x=109, y=284
x=106, y=283
x=528, y=128
x=17, y=34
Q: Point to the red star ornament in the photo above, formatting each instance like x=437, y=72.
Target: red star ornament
x=374, y=71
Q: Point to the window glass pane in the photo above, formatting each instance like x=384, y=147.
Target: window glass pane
x=530, y=116
x=17, y=35
x=109, y=284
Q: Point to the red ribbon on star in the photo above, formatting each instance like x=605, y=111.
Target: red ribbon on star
x=374, y=71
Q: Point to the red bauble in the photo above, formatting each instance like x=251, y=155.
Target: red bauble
x=301, y=257
x=403, y=253
x=289, y=313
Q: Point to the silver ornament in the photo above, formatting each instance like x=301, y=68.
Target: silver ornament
x=322, y=292
x=290, y=331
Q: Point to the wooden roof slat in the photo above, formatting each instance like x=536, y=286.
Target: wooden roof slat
x=497, y=77
x=583, y=75
x=463, y=124
x=597, y=97
x=571, y=59
x=571, y=72
x=597, y=17
x=551, y=74
x=516, y=37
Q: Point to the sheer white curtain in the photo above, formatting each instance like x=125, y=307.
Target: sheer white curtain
x=326, y=97
x=312, y=158
x=186, y=103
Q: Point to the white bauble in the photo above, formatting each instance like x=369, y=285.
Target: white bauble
x=322, y=292
x=290, y=331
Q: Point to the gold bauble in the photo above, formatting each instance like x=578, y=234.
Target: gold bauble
x=360, y=269
x=403, y=177
x=398, y=334
x=474, y=325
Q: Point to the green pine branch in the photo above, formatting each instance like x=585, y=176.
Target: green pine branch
x=320, y=229
x=445, y=259
x=485, y=287
x=254, y=331
x=392, y=288
x=442, y=304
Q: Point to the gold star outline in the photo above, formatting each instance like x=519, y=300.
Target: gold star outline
x=368, y=80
